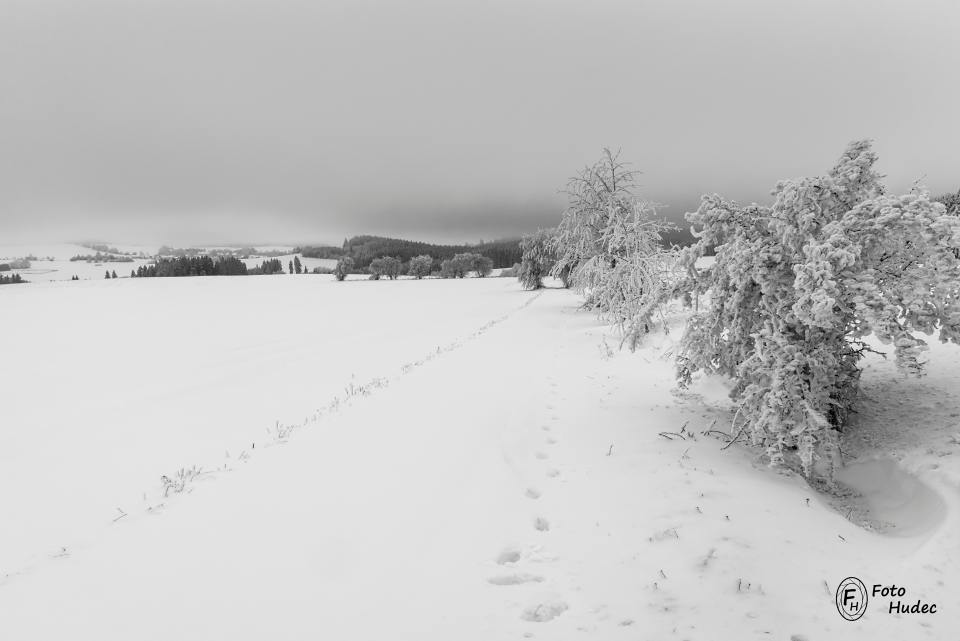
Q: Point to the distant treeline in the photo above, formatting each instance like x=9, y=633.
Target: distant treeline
x=364, y=249
x=102, y=258
x=17, y=263
x=193, y=266
x=204, y=266
x=102, y=248
x=11, y=280
x=240, y=252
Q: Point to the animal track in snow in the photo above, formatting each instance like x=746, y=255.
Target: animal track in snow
x=514, y=579
x=542, y=456
x=543, y=612
x=551, y=441
x=541, y=524
x=532, y=493
x=545, y=428
x=553, y=473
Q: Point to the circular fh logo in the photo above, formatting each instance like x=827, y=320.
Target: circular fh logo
x=851, y=598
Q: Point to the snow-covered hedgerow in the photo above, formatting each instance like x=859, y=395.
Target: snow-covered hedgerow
x=797, y=288
x=609, y=247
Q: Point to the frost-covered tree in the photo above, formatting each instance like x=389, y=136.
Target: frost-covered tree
x=420, y=266
x=344, y=267
x=798, y=287
x=462, y=264
x=609, y=247
x=537, y=258
x=385, y=266
x=297, y=265
x=481, y=265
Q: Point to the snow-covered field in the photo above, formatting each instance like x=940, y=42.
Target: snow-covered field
x=430, y=460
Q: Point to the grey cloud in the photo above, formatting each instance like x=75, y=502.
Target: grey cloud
x=288, y=120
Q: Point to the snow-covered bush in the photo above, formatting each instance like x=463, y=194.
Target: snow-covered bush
x=537, y=259
x=344, y=267
x=797, y=288
x=420, y=266
x=609, y=247
x=385, y=266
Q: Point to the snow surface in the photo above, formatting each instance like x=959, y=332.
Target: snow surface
x=429, y=460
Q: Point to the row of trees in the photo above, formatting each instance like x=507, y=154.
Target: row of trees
x=363, y=250
x=387, y=266
x=794, y=292
x=12, y=279
x=195, y=266
x=459, y=266
x=101, y=258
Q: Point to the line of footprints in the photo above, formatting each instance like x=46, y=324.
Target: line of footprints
x=514, y=558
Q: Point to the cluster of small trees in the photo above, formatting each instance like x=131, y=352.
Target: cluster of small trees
x=385, y=266
x=108, y=274
x=267, y=267
x=420, y=266
x=461, y=265
x=21, y=263
x=364, y=249
x=101, y=258
x=13, y=279
x=195, y=266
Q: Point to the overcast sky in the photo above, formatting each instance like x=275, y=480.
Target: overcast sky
x=281, y=121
